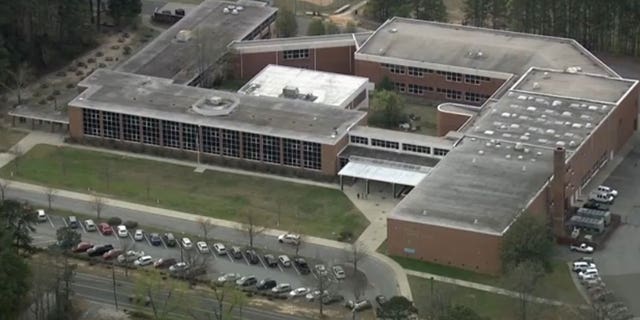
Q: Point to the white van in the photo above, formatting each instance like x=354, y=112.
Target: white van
x=42, y=216
x=607, y=190
x=601, y=197
x=581, y=266
x=90, y=225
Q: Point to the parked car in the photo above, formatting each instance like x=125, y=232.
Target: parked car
x=321, y=270
x=83, y=247
x=281, y=288
x=284, y=261
x=289, y=238
x=315, y=294
x=302, y=265
x=587, y=273
x=219, y=248
x=299, y=292
x=362, y=305
x=130, y=256
x=97, y=251
x=580, y=266
x=586, y=259
x=112, y=254
x=270, y=260
x=247, y=281
x=583, y=247
x=202, y=247
x=105, y=229
x=601, y=197
x=122, y=231
x=236, y=252
x=42, y=216
x=138, y=235
x=332, y=299
x=154, y=239
x=338, y=272
x=608, y=190
x=143, y=261
x=266, y=284
x=252, y=256
x=89, y=225
x=169, y=239
x=179, y=267
x=163, y=263
x=73, y=222
x=228, y=277
x=596, y=205
x=186, y=243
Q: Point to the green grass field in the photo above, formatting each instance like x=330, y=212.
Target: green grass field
x=556, y=285
x=494, y=306
x=9, y=137
x=306, y=209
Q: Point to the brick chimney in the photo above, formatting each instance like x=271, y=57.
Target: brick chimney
x=558, y=197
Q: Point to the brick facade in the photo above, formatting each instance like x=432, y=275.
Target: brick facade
x=449, y=121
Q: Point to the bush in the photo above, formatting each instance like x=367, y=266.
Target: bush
x=79, y=73
x=102, y=65
x=121, y=40
x=99, y=54
x=125, y=35
x=56, y=92
x=345, y=236
x=44, y=85
x=114, y=221
x=126, y=50
x=130, y=224
x=91, y=60
x=61, y=73
x=50, y=97
x=42, y=101
x=115, y=47
x=72, y=69
x=81, y=64
x=70, y=85
x=108, y=58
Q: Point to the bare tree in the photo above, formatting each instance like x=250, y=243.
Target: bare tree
x=355, y=255
x=98, y=204
x=197, y=265
x=323, y=284
x=523, y=279
x=4, y=185
x=20, y=79
x=251, y=226
x=228, y=299
x=126, y=245
x=206, y=225
x=164, y=297
x=298, y=243
x=51, y=194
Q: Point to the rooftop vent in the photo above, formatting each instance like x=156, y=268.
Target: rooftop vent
x=216, y=101
x=480, y=54
x=480, y=152
x=393, y=30
x=556, y=103
x=226, y=11
x=183, y=36
x=536, y=86
x=518, y=147
x=489, y=132
x=508, y=156
x=290, y=92
x=234, y=12
x=239, y=8
x=546, y=75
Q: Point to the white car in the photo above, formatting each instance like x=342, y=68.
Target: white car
x=42, y=216
x=122, y=231
x=130, y=256
x=220, y=249
x=186, y=243
x=138, y=235
x=583, y=247
x=90, y=225
x=587, y=273
x=228, y=277
x=281, y=287
x=180, y=266
x=580, y=266
x=284, y=261
x=607, y=190
x=311, y=296
x=338, y=272
x=299, y=292
x=289, y=238
x=202, y=247
x=143, y=261
x=601, y=197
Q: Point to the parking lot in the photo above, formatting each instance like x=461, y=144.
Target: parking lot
x=216, y=264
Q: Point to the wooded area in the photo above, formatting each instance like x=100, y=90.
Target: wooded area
x=45, y=33
x=599, y=25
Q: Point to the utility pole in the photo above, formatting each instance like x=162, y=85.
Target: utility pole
x=113, y=275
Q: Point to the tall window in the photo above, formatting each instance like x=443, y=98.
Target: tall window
x=291, y=150
x=418, y=89
x=230, y=143
x=475, y=97
x=400, y=87
x=359, y=140
x=384, y=144
x=271, y=149
x=251, y=146
x=440, y=152
x=131, y=128
x=151, y=131
x=417, y=72
x=451, y=76
x=111, y=125
x=472, y=79
x=311, y=155
x=190, y=136
x=394, y=68
x=211, y=140
x=171, y=134
x=415, y=148
x=296, y=54
x=91, y=122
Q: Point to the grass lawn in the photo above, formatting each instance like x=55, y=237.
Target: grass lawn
x=494, y=306
x=428, y=123
x=556, y=285
x=306, y=209
x=9, y=137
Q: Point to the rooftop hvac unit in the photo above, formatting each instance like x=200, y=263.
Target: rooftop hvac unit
x=216, y=101
x=290, y=92
x=183, y=35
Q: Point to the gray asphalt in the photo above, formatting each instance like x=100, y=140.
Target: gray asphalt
x=376, y=277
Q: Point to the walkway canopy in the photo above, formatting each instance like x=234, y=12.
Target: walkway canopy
x=383, y=171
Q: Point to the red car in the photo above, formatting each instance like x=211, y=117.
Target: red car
x=83, y=247
x=105, y=229
x=113, y=253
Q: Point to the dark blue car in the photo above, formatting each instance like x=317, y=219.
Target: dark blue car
x=155, y=240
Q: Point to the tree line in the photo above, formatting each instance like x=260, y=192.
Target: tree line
x=47, y=33
x=381, y=10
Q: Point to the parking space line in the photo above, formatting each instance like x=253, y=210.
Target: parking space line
x=65, y=222
x=81, y=223
x=262, y=262
x=245, y=259
x=280, y=267
x=295, y=268
x=50, y=222
x=147, y=239
x=314, y=275
x=230, y=257
x=163, y=243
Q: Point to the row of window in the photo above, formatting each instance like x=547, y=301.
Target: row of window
x=451, y=94
x=296, y=54
x=214, y=140
x=449, y=76
x=394, y=68
x=395, y=145
x=475, y=97
x=419, y=90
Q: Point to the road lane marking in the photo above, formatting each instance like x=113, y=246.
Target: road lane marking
x=50, y=222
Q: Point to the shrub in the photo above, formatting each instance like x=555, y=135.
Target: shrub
x=79, y=73
x=42, y=101
x=72, y=69
x=50, y=97
x=108, y=58
x=56, y=92
x=99, y=54
x=126, y=50
x=81, y=64
x=144, y=40
x=115, y=47
x=121, y=40
x=70, y=85
x=102, y=65
x=125, y=35
x=114, y=221
x=91, y=60
x=44, y=85
x=130, y=224
x=61, y=73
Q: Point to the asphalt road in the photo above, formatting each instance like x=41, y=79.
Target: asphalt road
x=376, y=277
x=100, y=289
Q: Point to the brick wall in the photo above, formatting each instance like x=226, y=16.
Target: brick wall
x=449, y=121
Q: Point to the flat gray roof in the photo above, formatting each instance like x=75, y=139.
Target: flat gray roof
x=574, y=84
x=328, y=88
x=476, y=48
x=402, y=137
x=477, y=188
x=37, y=112
x=323, y=41
x=360, y=152
x=211, y=30
x=159, y=98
